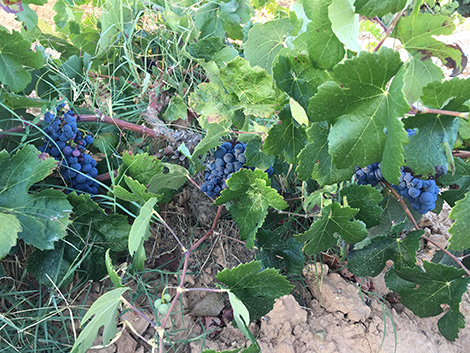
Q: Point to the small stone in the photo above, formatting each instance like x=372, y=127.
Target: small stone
x=320, y=335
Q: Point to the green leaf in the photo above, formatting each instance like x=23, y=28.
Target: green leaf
x=240, y=312
x=15, y=54
x=9, y=228
x=315, y=161
x=176, y=109
x=416, y=34
x=285, y=140
x=361, y=109
x=137, y=193
x=427, y=149
x=323, y=47
x=265, y=41
x=217, y=18
x=140, y=228
x=371, y=260
x=450, y=324
x=371, y=8
x=256, y=157
x=335, y=220
x=140, y=167
x=50, y=267
x=449, y=95
x=251, y=196
x=103, y=312
x=213, y=104
x=43, y=216
x=113, y=276
x=211, y=140
x=294, y=74
x=345, y=23
x=416, y=74
x=255, y=288
x=253, y=87
x=205, y=48
x=174, y=179
x=365, y=198
x=461, y=178
x=460, y=239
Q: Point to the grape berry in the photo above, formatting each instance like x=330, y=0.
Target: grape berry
x=66, y=144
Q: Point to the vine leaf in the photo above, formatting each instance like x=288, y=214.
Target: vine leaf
x=174, y=179
x=138, y=192
x=449, y=95
x=255, y=156
x=140, y=167
x=450, y=324
x=115, y=17
x=370, y=260
x=439, y=284
x=265, y=41
x=253, y=87
x=323, y=47
x=217, y=18
x=315, y=162
x=43, y=216
x=416, y=34
x=255, y=288
x=140, y=230
x=16, y=53
x=113, y=276
x=211, y=140
x=371, y=8
x=103, y=312
x=176, y=109
x=335, y=220
x=365, y=198
x=285, y=140
x=360, y=109
x=427, y=149
x=294, y=74
x=9, y=228
x=345, y=23
x=251, y=198
x=461, y=178
x=416, y=74
x=459, y=230
x=205, y=48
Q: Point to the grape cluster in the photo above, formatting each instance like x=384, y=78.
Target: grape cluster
x=66, y=144
x=229, y=158
x=422, y=194
x=370, y=175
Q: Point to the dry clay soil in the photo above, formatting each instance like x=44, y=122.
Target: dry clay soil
x=337, y=318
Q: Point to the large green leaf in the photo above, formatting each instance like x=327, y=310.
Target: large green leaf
x=140, y=167
x=461, y=179
x=323, y=47
x=43, y=216
x=345, y=23
x=370, y=260
x=362, y=110
x=285, y=140
x=15, y=54
x=265, y=40
x=427, y=149
x=416, y=34
x=9, y=228
x=215, y=18
x=371, y=8
x=438, y=285
x=294, y=74
x=211, y=140
x=449, y=95
x=335, y=220
x=251, y=198
x=365, y=198
x=103, y=312
x=137, y=191
x=174, y=179
x=256, y=157
x=253, y=87
x=140, y=227
x=460, y=239
x=315, y=161
x=50, y=267
x=255, y=288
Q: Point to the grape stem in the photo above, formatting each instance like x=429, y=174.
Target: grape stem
x=425, y=110
x=410, y=216
x=389, y=30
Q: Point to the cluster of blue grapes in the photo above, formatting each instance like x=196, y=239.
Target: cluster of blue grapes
x=422, y=194
x=66, y=144
x=229, y=158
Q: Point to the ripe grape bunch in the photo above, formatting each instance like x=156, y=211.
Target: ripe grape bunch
x=422, y=194
x=66, y=144
x=229, y=158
